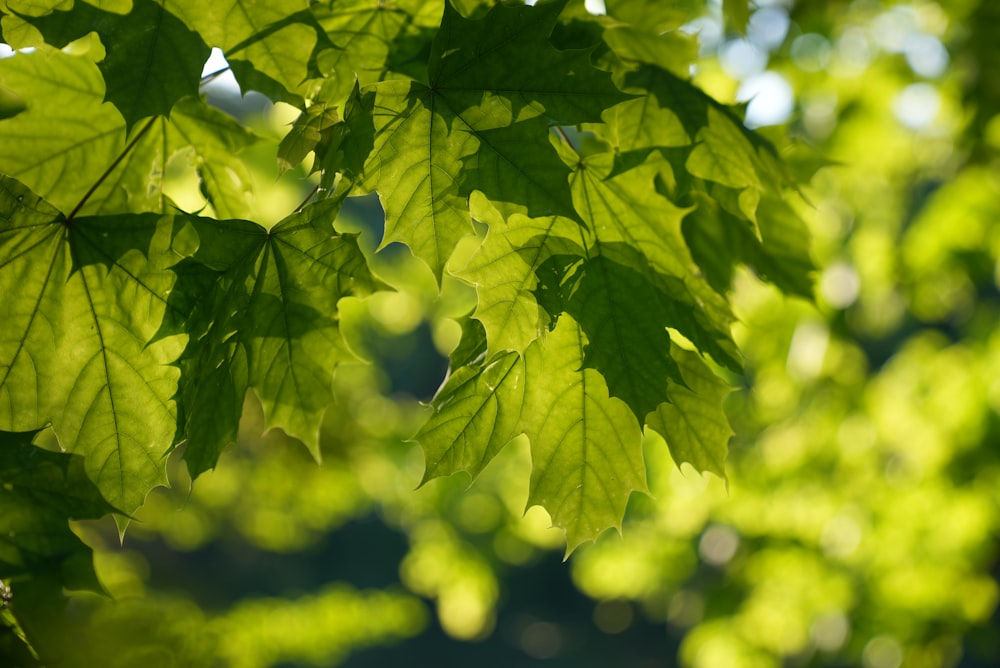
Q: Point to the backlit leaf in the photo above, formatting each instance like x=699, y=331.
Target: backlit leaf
x=270, y=324
x=586, y=447
x=277, y=37
x=152, y=59
x=495, y=85
x=82, y=302
x=693, y=423
x=476, y=413
x=68, y=135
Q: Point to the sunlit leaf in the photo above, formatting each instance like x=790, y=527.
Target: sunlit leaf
x=638, y=218
x=152, y=59
x=504, y=272
x=83, y=300
x=487, y=102
x=693, y=423
x=68, y=136
x=586, y=447
x=276, y=37
x=476, y=413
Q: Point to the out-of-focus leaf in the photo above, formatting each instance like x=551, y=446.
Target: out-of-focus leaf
x=39, y=492
x=737, y=13
x=654, y=16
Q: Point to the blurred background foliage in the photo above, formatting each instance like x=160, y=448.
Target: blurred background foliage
x=859, y=525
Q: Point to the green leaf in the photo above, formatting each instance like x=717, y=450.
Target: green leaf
x=364, y=33
x=676, y=113
x=693, y=423
x=415, y=165
x=43, y=7
x=718, y=242
x=472, y=345
x=633, y=44
x=68, y=136
x=212, y=141
x=11, y=104
x=307, y=132
x=39, y=492
x=586, y=447
x=496, y=84
x=655, y=16
x=276, y=37
x=507, y=54
x=270, y=325
x=626, y=212
x=344, y=147
x=152, y=59
x=503, y=270
x=84, y=300
x=720, y=154
x=476, y=413
x=209, y=140
x=625, y=319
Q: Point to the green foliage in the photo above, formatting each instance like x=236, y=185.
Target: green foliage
x=39, y=491
x=141, y=331
x=590, y=287
x=611, y=200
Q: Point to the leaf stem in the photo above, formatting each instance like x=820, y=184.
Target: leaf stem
x=107, y=172
x=306, y=200
x=565, y=138
x=211, y=76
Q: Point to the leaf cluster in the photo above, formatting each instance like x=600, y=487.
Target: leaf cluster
x=617, y=199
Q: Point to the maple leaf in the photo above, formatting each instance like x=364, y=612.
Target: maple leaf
x=586, y=447
x=273, y=39
x=152, y=59
x=505, y=272
x=494, y=87
x=268, y=322
x=369, y=37
x=132, y=327
x=693, y=422
x=476, y=413
x=68, y=137
x=82, y=302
